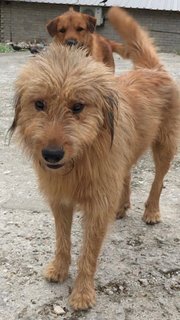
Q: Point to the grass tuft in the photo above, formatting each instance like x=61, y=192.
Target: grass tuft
x=5, y=48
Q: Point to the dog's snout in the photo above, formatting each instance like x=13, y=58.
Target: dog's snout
x=71, y=42
x=53, y=155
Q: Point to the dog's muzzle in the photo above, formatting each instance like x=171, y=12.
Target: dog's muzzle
x=52, y=157
x=71, y=42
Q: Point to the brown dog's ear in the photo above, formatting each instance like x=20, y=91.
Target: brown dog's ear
x=16, y=116
x=91, y=23
x=109, y=113
x=52, y=27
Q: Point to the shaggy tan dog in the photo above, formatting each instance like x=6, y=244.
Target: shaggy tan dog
x=74, y=27
x=84, y=129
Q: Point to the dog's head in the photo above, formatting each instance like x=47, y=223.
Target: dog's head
x=72, y=28
x=64, y=106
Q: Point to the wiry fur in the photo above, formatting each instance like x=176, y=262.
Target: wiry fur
x=121, y=119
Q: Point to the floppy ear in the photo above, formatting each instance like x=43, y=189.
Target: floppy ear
x=52, y=27
x=91, y=23
x=109, y=113
x=16, y=116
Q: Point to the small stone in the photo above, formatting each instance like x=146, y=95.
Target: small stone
x=114, y=289
x=109, y=291
x=177, y=304
x=143, y=282
x=58, y=310
x=7, y=172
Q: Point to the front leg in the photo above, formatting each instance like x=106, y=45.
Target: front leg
x=95, y=227
x=58, y=268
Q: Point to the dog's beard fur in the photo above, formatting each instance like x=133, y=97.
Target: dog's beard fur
x=120, y=120
x=61, y=78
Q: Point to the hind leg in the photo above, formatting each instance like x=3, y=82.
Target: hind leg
x=124, y=203
x=163, y=155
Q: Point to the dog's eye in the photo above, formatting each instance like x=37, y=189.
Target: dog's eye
x=79, y=29
x=62, y=30
x=77, y=107
x=39, y=105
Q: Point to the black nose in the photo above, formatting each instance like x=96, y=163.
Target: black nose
x=71, y=42
x=53, y=155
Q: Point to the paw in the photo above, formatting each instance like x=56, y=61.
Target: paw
x=151, y=217
x=82, y=299
x=122, y=211
x=55, y=273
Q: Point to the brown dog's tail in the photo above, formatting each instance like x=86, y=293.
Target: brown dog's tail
x=139, y=46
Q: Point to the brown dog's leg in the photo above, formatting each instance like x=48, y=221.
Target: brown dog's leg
x=163, y=156
x=83, y=294
x=58, y=269
x=124, y=203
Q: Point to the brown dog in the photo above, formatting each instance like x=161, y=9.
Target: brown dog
x=75, y=28
x=84, y=129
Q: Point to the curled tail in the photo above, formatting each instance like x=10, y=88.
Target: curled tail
x=139, y=46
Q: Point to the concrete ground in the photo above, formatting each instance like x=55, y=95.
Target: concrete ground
x=138, y=277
